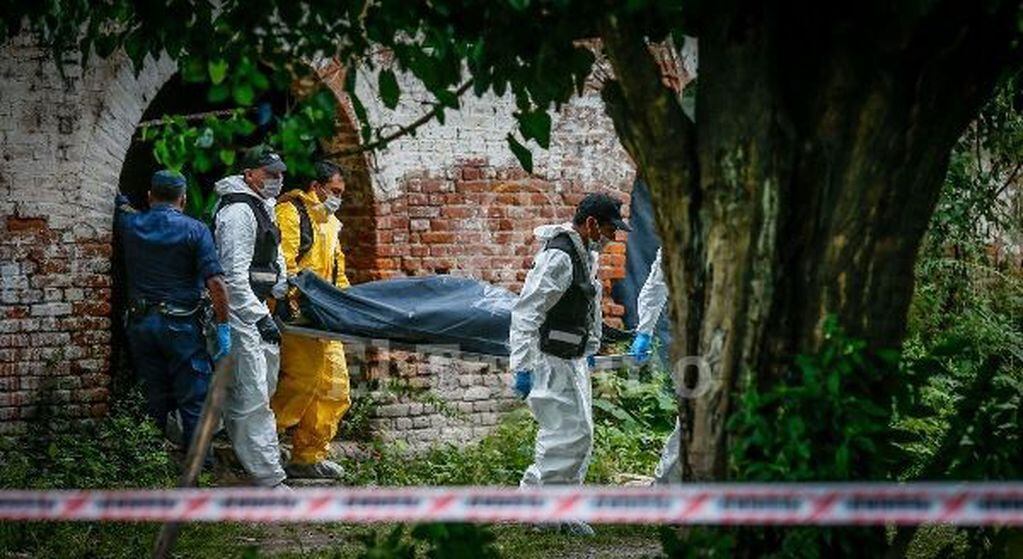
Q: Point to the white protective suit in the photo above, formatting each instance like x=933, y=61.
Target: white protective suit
x=560, y=399
x=247, y=416
x=651, y=302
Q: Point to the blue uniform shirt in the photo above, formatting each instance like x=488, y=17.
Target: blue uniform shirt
x=168, y=255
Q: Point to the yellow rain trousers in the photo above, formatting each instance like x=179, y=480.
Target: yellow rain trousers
x=312, y=391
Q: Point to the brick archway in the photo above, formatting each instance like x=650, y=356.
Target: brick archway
x=362, y=221
x=68, y=138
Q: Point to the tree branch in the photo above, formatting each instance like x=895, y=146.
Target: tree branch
x=1010, y=180
x=409, y=128
x=195, y=116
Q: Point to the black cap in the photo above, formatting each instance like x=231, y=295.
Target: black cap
x=263, y=157
x=604, y=207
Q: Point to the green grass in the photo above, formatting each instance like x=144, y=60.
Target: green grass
x=334, y=541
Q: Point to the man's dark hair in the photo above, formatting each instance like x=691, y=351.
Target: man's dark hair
x=324, y=170
x=166, y=192
x=167, y=185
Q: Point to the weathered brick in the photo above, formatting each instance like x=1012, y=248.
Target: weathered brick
x=17, y=224
x=51, y=309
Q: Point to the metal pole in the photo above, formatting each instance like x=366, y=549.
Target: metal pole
x=198, y=448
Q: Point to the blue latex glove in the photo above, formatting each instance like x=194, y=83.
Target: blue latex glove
x=523, y=382
x=223, y=341
x=640, y=349
x=591, y=361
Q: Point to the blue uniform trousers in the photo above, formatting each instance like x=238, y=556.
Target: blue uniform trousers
x=175, y=369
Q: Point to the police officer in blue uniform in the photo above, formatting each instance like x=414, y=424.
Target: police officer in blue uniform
x=170, y=260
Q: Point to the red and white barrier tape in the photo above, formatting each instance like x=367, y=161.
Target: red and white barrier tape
x=726, y=504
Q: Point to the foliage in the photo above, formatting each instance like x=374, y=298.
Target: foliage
x=622, y=447
x=819, y=424
x=194, y=150
x=633, y=414
x=356, y=425
x=967, y=340
x=88, y=455
x=638, y=402
x=698, y=543
x=120, y=451
x=977, y=199
x=456, y=541
x=431, y=541
x=214, y=145
x=956, y=414
x=498, y=459
x=529, y=49
x=391, y=546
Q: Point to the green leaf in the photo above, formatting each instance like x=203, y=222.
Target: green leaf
x=193, y=70
x=243, y=94
x=217, y=70
x=202, y=163
x=161, y=153
x=521, y=153
x=360, y=114
x=227, y=156
x=218, y=93
x=519, y=5
x=259, y=80
x=389, y=90
x=244, y=126
x=536, y=125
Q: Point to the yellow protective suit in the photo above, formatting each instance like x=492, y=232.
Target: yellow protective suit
x=312, y=390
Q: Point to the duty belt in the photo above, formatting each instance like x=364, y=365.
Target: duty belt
x=141, y=307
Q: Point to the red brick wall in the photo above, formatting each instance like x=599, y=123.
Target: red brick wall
x=55, y=327
x=477, y=223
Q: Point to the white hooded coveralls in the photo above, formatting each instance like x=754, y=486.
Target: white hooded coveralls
x=247, y=416
x=560, y=399
x=651, y=302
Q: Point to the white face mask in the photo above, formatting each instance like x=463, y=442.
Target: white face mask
x=332, y=204
x=272, y=187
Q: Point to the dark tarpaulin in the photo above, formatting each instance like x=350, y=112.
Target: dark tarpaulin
x=442, y=310
x=641, y=249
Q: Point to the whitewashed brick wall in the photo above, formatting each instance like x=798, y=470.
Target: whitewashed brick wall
x=62, y=140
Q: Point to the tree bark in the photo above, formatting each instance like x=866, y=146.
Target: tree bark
x=806, y=183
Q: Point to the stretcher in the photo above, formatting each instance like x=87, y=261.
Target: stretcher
x=600, y=362
x=447, y=316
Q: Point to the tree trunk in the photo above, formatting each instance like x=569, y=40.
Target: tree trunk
x=806, y=183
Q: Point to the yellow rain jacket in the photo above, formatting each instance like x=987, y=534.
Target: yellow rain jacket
x=312, y=391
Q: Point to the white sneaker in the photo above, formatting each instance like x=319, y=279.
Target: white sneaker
x=571, y=528
x=577, y=528
x=324, y=469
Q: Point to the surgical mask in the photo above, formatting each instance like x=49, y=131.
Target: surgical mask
x=272, y=187
x=332, y=204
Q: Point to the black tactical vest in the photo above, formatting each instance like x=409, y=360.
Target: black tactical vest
x=567, y=328
x=264, y=270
